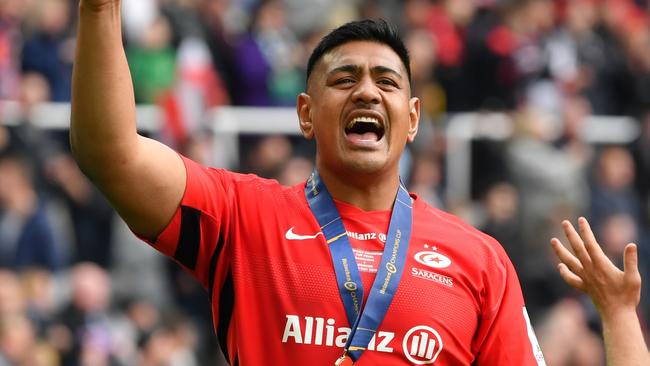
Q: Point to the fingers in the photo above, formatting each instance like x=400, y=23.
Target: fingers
x=630, y=262
x=576, y=243
x=589, y=239
x=571, y=278
x=568, y=259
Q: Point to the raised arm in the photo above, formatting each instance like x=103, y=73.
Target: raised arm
x=142, y=178
x=615, y=293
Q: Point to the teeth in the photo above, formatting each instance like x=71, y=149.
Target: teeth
x=363, y=119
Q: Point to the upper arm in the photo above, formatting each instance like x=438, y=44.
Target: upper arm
x=145, y=185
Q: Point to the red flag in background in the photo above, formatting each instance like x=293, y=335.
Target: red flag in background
x=198, y=88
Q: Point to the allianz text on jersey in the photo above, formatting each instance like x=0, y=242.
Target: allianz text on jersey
x=421, y=344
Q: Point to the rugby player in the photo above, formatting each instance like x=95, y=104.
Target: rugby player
x=345, y=268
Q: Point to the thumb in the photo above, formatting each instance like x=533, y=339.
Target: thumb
x=631, y=263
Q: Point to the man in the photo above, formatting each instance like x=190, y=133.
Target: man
x=615, y=293
x=290, y=269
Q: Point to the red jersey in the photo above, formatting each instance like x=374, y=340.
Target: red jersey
x=259, y=251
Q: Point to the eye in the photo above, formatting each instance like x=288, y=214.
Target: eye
x=388, y=82
x=343, y=81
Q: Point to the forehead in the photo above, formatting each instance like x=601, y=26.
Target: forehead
x=362, y=53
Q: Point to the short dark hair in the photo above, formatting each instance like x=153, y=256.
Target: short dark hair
x=361, y=30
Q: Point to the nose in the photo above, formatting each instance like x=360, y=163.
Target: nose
x=366, y=92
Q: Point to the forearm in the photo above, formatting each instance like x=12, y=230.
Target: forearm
x=103, y=110
x=624, y=341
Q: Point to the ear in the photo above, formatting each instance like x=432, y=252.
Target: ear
x=303, y=107
x=414, y=118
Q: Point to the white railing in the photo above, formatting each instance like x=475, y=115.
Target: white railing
x=463, y=128
x=229, y=122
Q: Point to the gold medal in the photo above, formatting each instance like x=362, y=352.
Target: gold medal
x=344, y=360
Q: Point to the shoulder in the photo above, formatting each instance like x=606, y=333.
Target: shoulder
x=231, y=180
x=209, y=183
x=451, y=230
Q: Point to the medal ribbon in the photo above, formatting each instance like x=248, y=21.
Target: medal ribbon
x=364, y=320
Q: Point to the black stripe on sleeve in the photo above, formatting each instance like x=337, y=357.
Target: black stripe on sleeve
x=213, y=263
x=226, y=306
x=189, y=240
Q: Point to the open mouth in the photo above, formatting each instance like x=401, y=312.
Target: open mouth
x=364, y=129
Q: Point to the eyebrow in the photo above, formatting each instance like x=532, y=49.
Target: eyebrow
x=385, y=70
x=355, y=69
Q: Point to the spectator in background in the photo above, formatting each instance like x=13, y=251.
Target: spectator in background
x=138, y=16
x=144, y=317
x=615, y=232
x=583, y=57
x=21, y=343
x=12, y=298
x=91, y=215
x=40, y=304
x=423, y=65
x=50, y=49
x=295, y=170
x=215, y=18
x=630, y=24
x=612, y=189
x=85, y=322
x=504, y=55
x=26, y=237
x=17, y=341
x=170, y=344
x=565, y=330
x=641, y=154
x=11, y=13
x=426, y=179
x=152, y=61
x=184, y=18
x=575, y=110
x=56, y=176
x=449, y=23
x=196, y=89
x=34, y=143
x=550, y=182
x=267, y=58
x=502, y=221
x=268, y=155
x=58, y=180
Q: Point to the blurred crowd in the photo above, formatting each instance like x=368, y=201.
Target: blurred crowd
x=76, y=288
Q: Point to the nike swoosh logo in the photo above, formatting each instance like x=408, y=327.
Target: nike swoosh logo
x=290, y=235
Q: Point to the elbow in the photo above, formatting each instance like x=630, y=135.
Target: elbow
x=77, y=151
x=74, y=144
x=102, y=160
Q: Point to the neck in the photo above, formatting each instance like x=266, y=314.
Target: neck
x=374, y=192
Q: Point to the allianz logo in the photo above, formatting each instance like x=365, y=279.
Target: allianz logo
x=421, y=344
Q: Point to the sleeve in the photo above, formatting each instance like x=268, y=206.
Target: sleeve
x=196, y=236
x=505, y=335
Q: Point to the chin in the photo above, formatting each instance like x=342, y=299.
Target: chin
x=365, y=165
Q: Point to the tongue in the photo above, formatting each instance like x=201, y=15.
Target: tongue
x=361, y=137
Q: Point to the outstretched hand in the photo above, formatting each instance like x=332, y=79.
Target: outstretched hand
x=590, y=271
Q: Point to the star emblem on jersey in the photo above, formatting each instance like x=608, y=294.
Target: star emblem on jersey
x=432, y=259
x=290, y=235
